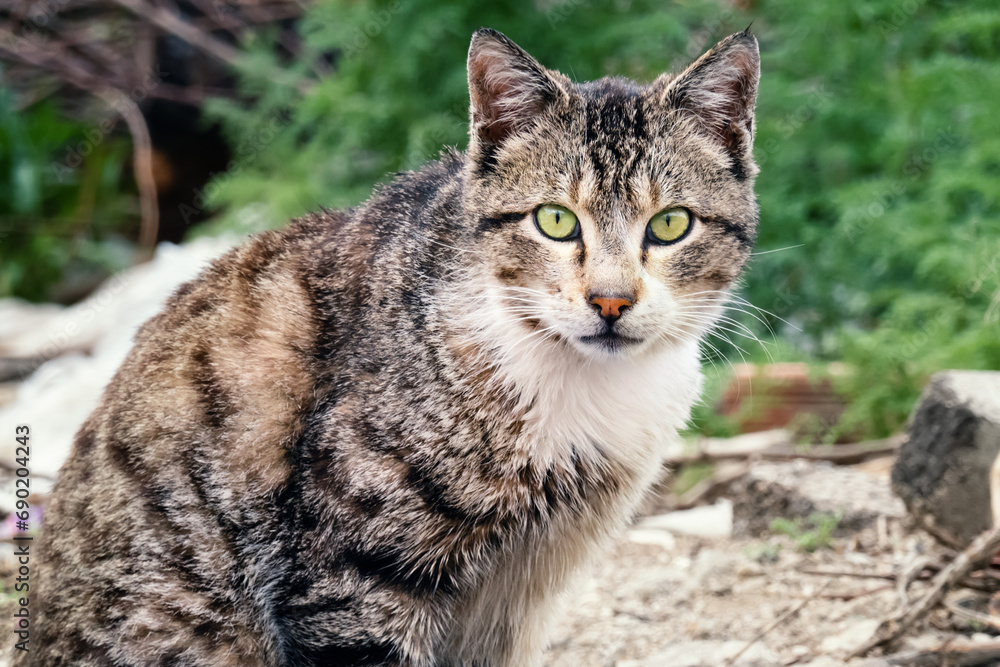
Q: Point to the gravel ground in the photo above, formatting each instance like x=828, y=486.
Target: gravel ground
x=662, y=599
x=702, y=601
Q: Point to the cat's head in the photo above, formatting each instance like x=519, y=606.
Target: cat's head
x=611, y=216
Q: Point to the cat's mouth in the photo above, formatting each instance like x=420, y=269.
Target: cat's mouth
x=610, y=340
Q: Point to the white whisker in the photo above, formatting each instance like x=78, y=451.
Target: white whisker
x=768, y=252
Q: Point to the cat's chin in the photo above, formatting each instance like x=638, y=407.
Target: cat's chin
x=610, y=345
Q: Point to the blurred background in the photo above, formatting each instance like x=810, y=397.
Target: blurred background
x=125, y=124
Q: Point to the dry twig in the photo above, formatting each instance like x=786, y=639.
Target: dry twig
x=704, y=491
x=846, y=573
x=954, y=654
x=142, y=165
x=984, y=546
x=847, y=597
x=839, y=454
x=987, y=582
x=10, y=467
x=76, y=74
x=910, y=573
x=177, y=26
x=778, y=621
x=957, y=609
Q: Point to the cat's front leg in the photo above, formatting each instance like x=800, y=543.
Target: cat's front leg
x=355, y=617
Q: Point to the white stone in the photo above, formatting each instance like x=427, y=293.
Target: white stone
x=659, y=538
x=849, y=638
x=708, y=521
x=85, y=344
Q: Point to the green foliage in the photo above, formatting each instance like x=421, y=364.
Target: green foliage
x=879, y=154
x=689, y=475
x=705, y=420
x=814, y=533
x=57, y=214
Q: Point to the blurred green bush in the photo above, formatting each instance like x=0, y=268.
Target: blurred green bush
x=63, y=201
x=880, y=154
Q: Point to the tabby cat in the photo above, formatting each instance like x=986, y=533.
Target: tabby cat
x=391, y=435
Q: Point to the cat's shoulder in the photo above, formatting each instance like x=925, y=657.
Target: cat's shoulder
x=288, y=285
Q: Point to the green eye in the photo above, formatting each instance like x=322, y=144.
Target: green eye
x=669, y=226
x=557, y=222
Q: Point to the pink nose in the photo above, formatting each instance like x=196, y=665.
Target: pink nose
x=610, y=307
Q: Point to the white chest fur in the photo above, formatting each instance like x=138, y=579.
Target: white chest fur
x=624, y=410
x=627, y=408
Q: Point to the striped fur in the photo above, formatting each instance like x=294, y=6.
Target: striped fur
x=381, y=436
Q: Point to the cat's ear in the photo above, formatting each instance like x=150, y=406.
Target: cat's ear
x=507, y=87
x=720, y=90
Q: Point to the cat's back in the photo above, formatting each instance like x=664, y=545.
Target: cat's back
x=154, y=532
x=165, y=480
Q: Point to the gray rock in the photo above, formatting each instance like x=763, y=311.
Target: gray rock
x=799, y=488
x=942, y=473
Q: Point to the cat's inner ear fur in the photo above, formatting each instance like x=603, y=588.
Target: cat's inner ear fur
x=720, y=90
x=507, y=87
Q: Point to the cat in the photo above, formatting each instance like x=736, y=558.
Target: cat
x=391, y=435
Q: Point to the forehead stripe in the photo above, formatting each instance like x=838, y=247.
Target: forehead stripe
x=746, y=238
x=498, y=220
